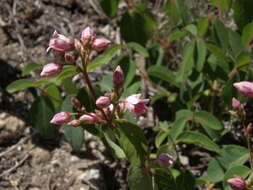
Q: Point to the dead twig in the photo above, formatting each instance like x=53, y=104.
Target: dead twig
x=16, y=166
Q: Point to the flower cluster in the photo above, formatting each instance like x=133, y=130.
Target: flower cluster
x=66, y=48
x=110, y=106
x=107, y=106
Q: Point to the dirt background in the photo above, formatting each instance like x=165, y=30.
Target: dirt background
x=28, y=162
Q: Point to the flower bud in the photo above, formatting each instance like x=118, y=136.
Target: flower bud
x=74, y=123
x=60, y=42
x=103, y=102
x=118, y=76
x=87, y=35
x=164, y=160
x=69, y=59
x=245, y=88
x=236, y=104
x=100, y=44
x=76, y=103
x=60, y=118
x=89, y=118
x=51, y=69
x=78, y=45
x=237, y=183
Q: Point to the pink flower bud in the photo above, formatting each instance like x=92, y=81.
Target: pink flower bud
x=100, y=44
x=245, y=88
x=164, y=160
x=237, y=183
x=87, y=35
x=60, y=118
x=78, y=45
x=51, y=69
x=74, y=123
x=89, y=118
x=236, y=104
x=135, y=104
x=103, y=102
x=118, y=76
x=69, y=58
x=60, y=42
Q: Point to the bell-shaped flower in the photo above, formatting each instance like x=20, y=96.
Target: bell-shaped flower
x=60, y=43
x=135, y=104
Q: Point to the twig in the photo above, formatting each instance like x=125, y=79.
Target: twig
x=16, y=166
x=15, y=146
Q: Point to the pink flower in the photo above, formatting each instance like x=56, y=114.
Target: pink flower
x=135, y=104
x=89, y=118
x=245, y=88
x=60, y=42
x=51, y=69
x=164, y=160
x=61, y=118
x=69, y=58
x=87, y=35
x=118, y=76
x=103, y=102
x=237, y=183
x=100, y=44
x=236, y=104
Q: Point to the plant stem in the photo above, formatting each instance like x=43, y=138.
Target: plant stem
x=85, y=62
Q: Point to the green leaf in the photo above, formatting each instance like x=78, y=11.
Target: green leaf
x=54, y=92
x=110, y=7
x=20, y=85
x=184, y=113
x=164, y=179
x=241, y=171
x=198, y=139
x=105, y=57
x=235, y=42
x=202, y=51
x=178, y=11
x=138, y=48
x=74, y=135
x=137, y=25
x=242, y=59
x=162, y=73
x=160, y=137
x=132, y=89
x=233, y=155
x=215, y=172
x=178, y=127
x=112, y=143
x=139, y=179
x=222, y=33
x=202, y=26
x=176, y=35
x=41, y=112
x=187, y=63
x=185, y=181
x=208, y=120
x=247, y=34
x=192, y=29
x=243, y=12
x=86, y=99
x=132, y=141
x=30, y=67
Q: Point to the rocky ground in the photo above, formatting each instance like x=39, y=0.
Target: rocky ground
x=26, y=161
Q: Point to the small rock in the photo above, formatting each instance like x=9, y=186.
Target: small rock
x=40, y=156
x=11, y=123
